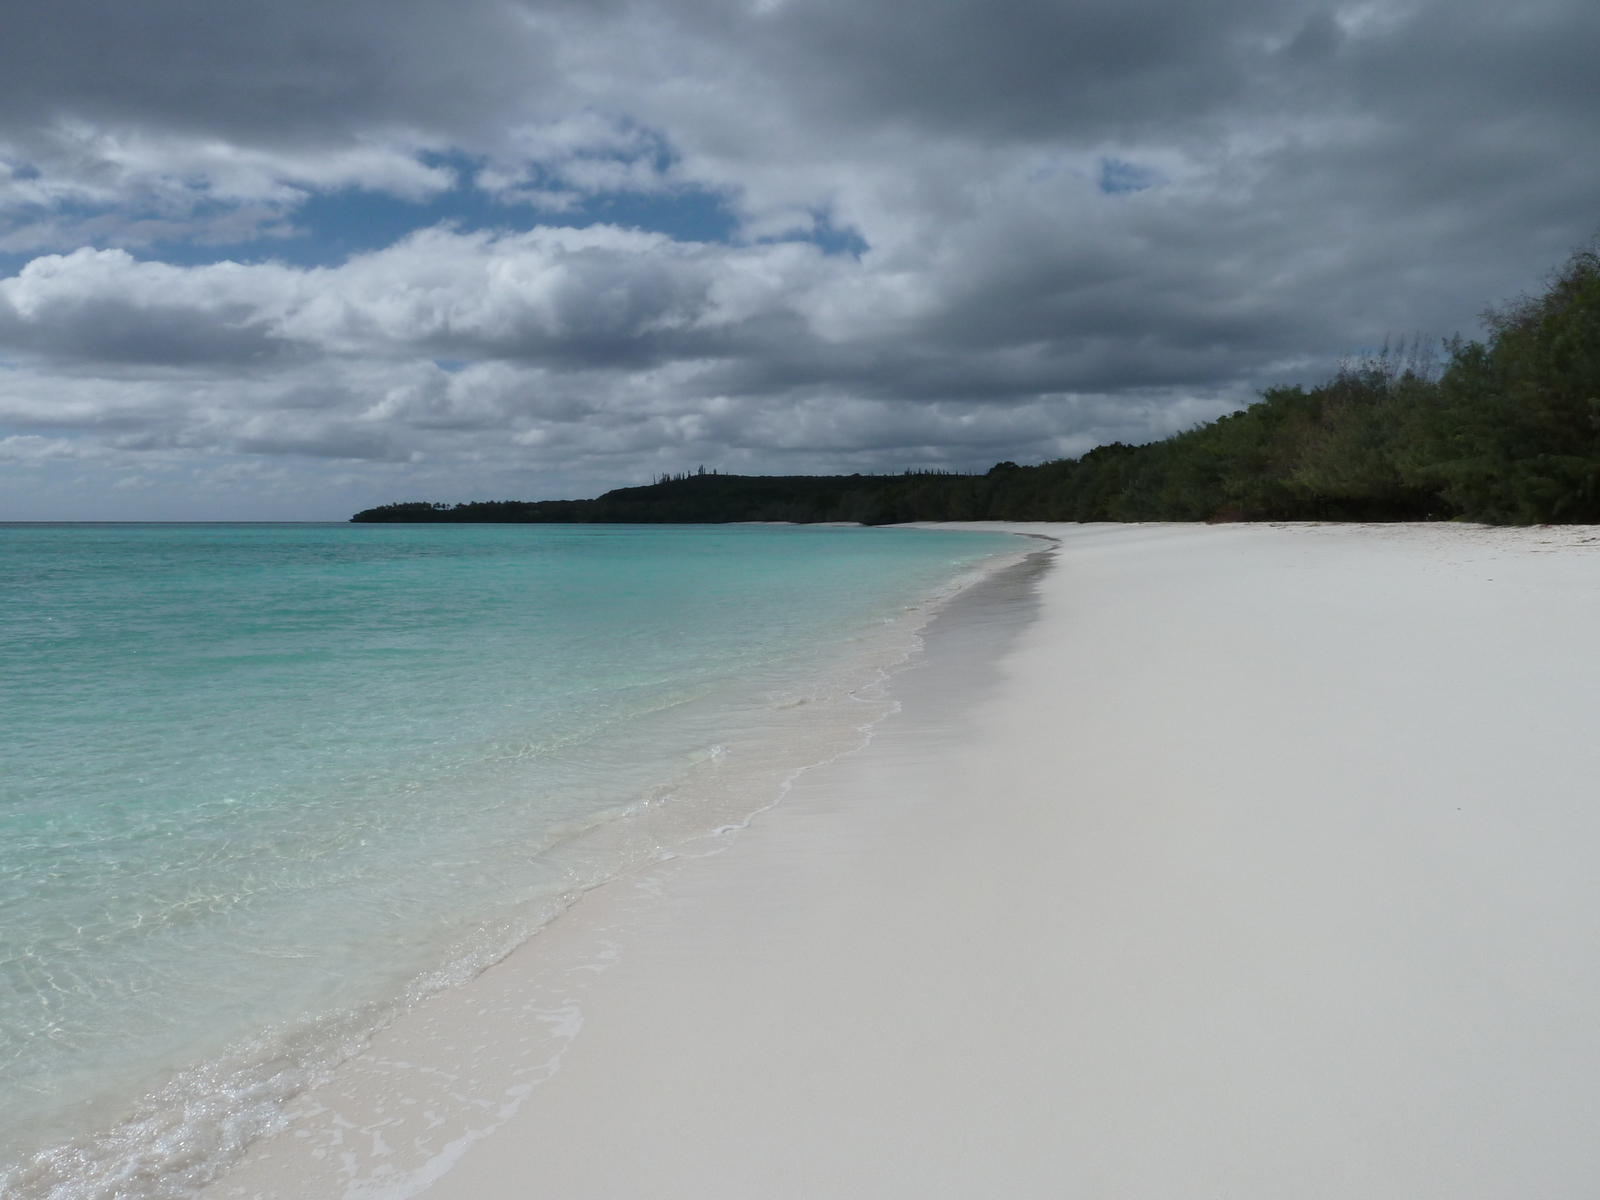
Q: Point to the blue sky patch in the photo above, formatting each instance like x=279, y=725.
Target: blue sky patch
x=329, y=227
x=834, y=240
x=1117, y=177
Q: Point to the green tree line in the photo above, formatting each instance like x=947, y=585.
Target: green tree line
x=1503, y=431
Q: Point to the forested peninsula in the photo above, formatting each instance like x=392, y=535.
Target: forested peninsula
x=1503, y=431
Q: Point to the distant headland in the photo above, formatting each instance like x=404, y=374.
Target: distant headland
x=1505, y=431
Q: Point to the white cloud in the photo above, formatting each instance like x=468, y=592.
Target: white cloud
x=1292, y=182
x=30, y=448
x=75, y=183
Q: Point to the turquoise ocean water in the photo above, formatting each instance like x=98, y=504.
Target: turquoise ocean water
x=262, y=786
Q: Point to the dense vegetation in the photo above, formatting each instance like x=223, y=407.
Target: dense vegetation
x=1505, y=431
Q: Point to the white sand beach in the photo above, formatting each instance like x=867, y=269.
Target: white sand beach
x=1259, y=862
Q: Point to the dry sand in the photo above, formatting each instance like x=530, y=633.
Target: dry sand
x=1263, y=863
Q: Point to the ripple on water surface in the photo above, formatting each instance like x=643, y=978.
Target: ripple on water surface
x=260, y=784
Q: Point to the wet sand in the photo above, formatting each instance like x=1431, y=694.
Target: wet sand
x=1237, y=861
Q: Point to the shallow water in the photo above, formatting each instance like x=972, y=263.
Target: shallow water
x=260, y=785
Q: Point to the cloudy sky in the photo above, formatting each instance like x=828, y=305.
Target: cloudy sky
x=288, y=259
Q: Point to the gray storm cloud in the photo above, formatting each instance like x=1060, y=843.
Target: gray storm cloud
x=1070, y=221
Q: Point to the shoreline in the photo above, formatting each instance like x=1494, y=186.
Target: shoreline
x=689, y=774
x=311, y=1154
x=1256, y=862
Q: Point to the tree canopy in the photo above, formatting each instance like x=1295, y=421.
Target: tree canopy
x=1504, y=431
